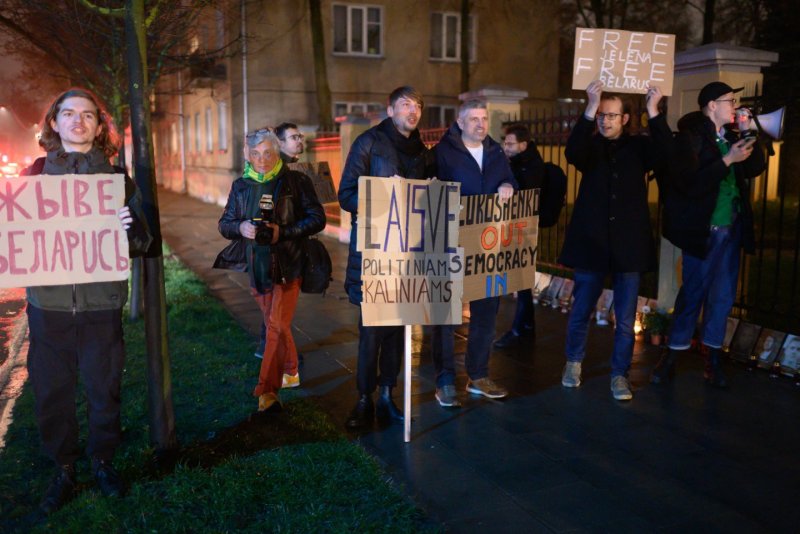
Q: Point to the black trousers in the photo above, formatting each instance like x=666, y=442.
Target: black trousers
x=378, y=347
x=64, y=346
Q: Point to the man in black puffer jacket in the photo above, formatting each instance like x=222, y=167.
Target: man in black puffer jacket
x=707, y=214
x=392, y=148
x=270, y=212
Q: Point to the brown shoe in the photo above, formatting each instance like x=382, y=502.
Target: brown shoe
x=486, y=387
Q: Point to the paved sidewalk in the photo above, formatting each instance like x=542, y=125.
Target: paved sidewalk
x=677, y=458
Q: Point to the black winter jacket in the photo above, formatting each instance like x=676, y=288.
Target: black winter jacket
x=373, y=153
x=610, y=227
x=528, y=168
x=454, y=163
x=297, y=212
x=698, y=170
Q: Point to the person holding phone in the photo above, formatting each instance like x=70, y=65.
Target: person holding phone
x=707, y=214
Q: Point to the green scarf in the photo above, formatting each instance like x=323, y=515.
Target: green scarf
x=250, y=172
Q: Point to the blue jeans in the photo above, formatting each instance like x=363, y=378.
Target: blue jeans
x=482, y=316
x=709, y=284
x=524, y=316
x=588, y=286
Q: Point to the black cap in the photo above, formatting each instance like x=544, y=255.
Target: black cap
x=713, y=91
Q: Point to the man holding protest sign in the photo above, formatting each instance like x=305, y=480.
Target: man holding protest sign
x=466, y=154
x=76, y=329
x=610, y=227
x=707, y=214
x=393, y=148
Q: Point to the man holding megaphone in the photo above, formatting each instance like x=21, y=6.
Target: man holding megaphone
x=707, y=214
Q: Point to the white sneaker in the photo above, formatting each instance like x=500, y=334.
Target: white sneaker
x=571, y=377
x=621, y=388
x=290, y=381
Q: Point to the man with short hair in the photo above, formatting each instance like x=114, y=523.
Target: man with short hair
x=291, y=141
x=466, y=154
x=393, y=148
x=609, y=232
x=76, y=329
x=707, y=214
x=529, y=171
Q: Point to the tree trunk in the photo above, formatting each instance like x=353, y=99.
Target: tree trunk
x=160, y=409
x=708, y=22
x=465, y=39
x=320, y=68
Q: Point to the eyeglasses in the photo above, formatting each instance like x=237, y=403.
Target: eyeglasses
x=295, y=137
x=610, y=116
x=731, y=101
x=510, y=143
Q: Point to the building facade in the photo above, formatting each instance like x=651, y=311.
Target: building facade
x=370, y=48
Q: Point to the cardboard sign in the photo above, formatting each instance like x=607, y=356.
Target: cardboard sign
x=411, y=269
x=62, y=230
x=625, y=61
x=321, y=178
x=499, y=243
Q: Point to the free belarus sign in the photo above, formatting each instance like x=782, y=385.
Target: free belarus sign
x=62, y=230
x=626, y=62
x=499, y=243
x=411, y=269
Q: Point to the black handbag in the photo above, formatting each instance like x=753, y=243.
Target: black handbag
x=317, y=267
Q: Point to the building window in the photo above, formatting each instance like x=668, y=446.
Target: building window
x=209, y=135
x=357, y=30
x=439, y=116
x=197, y=133
x=356, y=108
x=446, y=36
x=222, y=125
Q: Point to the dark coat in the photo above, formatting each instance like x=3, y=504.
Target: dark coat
x=610, y=227
x=528, y=168
x=454, y=163
x=373, y=153
x=298, y=213
x=698, y=170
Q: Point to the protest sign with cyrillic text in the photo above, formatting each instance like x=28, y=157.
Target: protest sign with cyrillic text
x=62, y=230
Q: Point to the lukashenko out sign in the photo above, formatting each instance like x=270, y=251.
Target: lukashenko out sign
x=62, y=230
x=626, y=62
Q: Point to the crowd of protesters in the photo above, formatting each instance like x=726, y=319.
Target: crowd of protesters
x=272, y=208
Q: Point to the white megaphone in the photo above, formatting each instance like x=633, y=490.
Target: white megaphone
x=771, y=123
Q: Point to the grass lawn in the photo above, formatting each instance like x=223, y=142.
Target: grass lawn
x=292, y=472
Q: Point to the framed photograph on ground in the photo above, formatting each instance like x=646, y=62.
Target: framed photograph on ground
x=730, y=328
x=790, y=355
x=603, y=308
x=565, y=294
x=768, y=346
x=542, y=281
x=744, y=341
x=550, y=293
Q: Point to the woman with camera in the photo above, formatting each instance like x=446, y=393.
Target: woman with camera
x=271, y=211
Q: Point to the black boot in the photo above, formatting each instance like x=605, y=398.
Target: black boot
x=664, y=370
x=362, y=413
x=60, y=491
x=717, y=377
x=108, y=480
x=386, y=410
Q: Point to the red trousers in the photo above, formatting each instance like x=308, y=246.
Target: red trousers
x=280, y=355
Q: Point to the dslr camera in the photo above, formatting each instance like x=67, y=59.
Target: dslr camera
x=263, y=232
